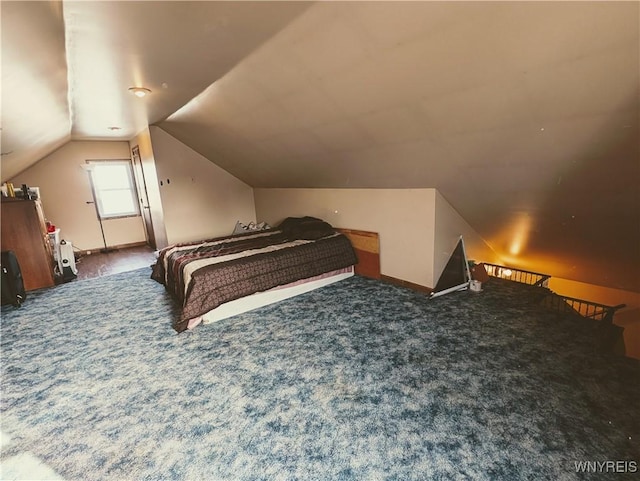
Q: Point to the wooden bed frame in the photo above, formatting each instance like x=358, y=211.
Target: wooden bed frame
x=367, y=247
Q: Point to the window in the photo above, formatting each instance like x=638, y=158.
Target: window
x=113, y=188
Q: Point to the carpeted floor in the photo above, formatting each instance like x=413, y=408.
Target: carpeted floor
x=360, y=380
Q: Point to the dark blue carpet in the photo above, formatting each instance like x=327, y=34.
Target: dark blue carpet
x=360, y=380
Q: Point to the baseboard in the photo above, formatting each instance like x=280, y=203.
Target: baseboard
x=407, y=284
x=97, y=250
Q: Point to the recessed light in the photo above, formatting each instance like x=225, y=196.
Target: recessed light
x=139, y=91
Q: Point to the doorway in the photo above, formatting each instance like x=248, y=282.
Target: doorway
x=143, y=196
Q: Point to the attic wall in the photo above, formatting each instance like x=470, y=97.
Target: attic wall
x=65, y=190
x=418, y=228
x=402, y=217
x=449, y=226
x=199, y=199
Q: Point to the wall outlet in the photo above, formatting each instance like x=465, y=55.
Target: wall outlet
x=88, y=253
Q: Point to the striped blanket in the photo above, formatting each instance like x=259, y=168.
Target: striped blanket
x=203, y=275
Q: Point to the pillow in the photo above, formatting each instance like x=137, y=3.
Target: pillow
x=308, y=228
x=241, y=228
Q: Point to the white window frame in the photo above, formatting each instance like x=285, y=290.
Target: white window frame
x=130, y=190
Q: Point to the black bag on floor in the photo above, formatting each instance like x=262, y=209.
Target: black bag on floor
x=12, y=288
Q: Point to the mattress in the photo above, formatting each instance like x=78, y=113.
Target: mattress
x=271, y=296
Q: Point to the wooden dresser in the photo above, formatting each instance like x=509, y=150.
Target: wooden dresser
x=25, y=233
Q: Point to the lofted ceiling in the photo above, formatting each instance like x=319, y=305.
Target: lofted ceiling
x=524, y=115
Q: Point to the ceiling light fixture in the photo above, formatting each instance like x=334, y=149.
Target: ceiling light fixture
x=139, y=91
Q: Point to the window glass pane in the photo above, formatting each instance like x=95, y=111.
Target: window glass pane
x=111, y=176
x=117, y=202
x=113, y=188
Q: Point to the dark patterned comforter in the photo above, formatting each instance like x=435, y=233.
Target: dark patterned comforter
x=203, y=275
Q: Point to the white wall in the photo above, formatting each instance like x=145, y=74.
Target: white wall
x=199, y=199
x=65, y=190
x=402, y=217
x=418, y=228
x=448, y=227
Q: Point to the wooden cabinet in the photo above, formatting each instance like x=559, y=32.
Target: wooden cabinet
x=25, y=233
x=367, y=248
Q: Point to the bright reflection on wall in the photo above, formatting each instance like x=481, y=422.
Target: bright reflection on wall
x=520, y=234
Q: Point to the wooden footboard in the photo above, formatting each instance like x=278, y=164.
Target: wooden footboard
x=367, y=247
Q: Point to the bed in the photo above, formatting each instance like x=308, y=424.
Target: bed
x=217, y=278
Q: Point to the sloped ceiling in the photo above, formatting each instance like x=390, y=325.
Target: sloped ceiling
x=35, y=109
x=67, y=66
x=524, y=115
